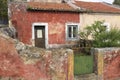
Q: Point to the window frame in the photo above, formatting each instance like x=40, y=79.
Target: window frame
x=72, y=38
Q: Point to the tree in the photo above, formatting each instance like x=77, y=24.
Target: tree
x=3, y=8
x=101, y=37
x=116, y=2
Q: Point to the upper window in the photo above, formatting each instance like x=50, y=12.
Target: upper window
x=72, y=31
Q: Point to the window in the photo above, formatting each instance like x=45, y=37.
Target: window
x=71, y=31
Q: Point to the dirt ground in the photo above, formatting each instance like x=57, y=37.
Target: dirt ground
x=86, y=77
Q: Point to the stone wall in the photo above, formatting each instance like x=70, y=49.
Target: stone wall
x=108, y=63
x=23, y=62
x=9, y=31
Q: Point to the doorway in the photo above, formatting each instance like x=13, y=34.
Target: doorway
x=40, y=35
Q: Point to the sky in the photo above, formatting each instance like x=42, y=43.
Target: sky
x=108, y=1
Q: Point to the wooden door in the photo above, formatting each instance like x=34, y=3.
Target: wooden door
x=40, y=36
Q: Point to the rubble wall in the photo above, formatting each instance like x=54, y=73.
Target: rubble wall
x=22, y=62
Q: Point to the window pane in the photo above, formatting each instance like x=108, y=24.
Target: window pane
x=74, y=31
x=69, y=32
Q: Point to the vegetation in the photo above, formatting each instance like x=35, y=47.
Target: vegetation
x=3, y=8
x=116, y=2
x=101, y=37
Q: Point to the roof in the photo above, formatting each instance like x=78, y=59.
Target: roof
x=50, y=6
x=97, y=7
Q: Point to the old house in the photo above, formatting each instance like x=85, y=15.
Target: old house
x=99, y=11
x=46, y=25
x=52, y=24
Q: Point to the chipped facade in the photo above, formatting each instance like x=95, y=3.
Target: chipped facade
x=55, y=22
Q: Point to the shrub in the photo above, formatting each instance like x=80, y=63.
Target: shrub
x=101, y=37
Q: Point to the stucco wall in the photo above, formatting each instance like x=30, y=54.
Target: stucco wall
x=108, y=63
x=22, y=62
x=23, y=21
x=89, y=18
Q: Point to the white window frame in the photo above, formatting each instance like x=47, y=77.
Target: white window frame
x=67, y=37
x=46, y=32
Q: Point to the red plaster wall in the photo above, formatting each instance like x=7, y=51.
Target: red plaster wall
x=56, y=23
x=11, y=64
x=112, y=65
x=49, y=66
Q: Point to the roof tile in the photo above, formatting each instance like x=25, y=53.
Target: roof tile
x=97, y=7
x=50, y=6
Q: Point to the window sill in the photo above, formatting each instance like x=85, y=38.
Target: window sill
x=72, y=39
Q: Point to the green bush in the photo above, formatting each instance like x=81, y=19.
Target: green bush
x=100, y=36
x=3, y=8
